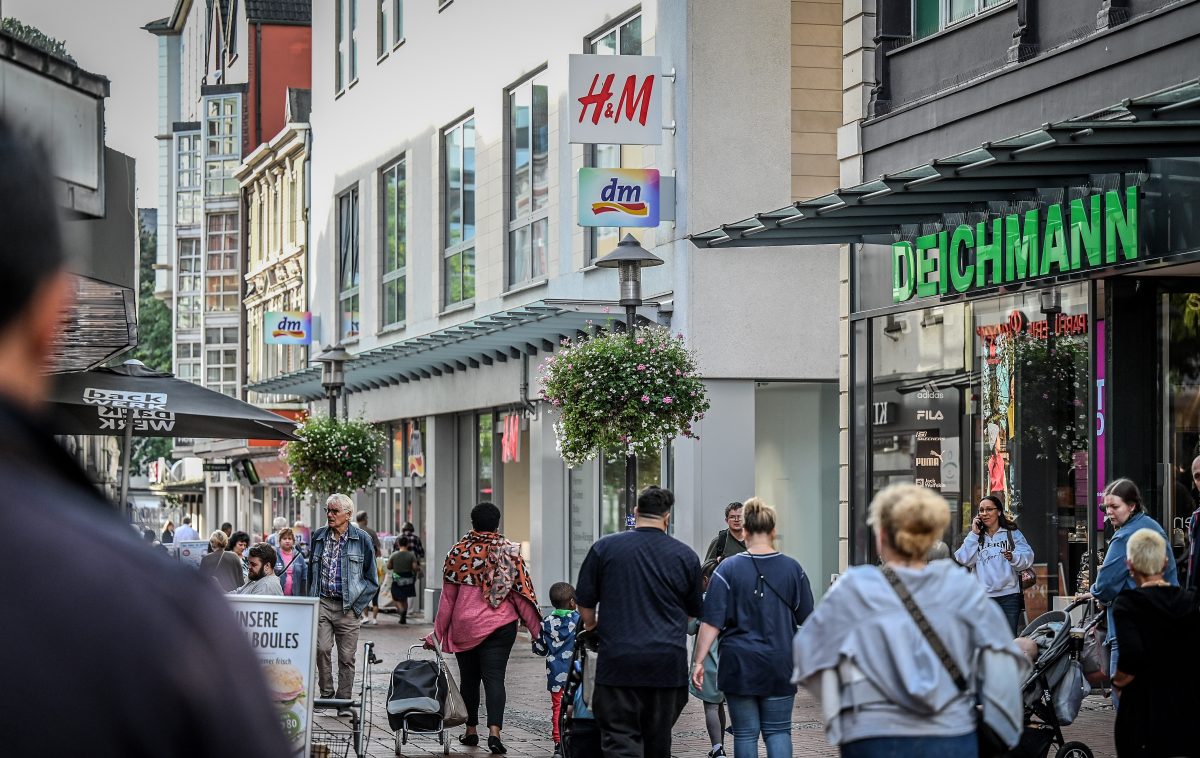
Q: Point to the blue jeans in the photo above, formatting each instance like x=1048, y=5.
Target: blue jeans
x=1112, y=670
x=913, y=747
x=1011, y=605
x=772, y=716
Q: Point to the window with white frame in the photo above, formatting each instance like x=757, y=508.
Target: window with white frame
x=622, y=38
x=529, y=180
x=389, y=24
x=221, y=359
x=347, y=43
x=395, y=238
x=187, y=179
x=458, y=181
x=187, y=361
x=348, y=270
x=187, y=293
x=222, y=152
x=931, y=16
x=221, y=291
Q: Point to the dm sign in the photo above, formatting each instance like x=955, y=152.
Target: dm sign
x=287, y=328
x=1091, y=232
x=615, y=99
x=618, y=197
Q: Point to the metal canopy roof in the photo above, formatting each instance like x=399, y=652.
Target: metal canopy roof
x=1071, y=153
x=484, y=341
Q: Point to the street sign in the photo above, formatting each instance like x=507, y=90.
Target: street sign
x=615, y=99
x=618, y=197
x=218, y=466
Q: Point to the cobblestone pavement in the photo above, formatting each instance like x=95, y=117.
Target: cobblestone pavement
x=527, y=717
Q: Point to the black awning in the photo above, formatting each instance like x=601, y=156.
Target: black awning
x=1117, y=140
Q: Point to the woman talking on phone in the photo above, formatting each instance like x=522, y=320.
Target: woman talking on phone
x=998, y=552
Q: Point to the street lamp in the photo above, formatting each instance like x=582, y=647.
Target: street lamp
x=333, y=376
x=629, y=258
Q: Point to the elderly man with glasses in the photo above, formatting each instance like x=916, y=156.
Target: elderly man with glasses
x=342, y=574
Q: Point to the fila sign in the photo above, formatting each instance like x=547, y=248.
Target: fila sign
x=615, y=99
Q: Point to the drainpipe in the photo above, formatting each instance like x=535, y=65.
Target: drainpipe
x=526, y=405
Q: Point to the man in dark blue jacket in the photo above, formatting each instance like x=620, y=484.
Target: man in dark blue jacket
x=145, y=659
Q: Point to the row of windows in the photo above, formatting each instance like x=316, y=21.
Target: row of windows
x=932, y=16
x=389, y=32
x=221, y=156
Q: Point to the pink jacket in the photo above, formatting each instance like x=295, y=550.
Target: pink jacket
x=464, y=618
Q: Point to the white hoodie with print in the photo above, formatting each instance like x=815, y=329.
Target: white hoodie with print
x=995, y=572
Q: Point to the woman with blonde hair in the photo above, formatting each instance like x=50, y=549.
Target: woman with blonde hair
x=755, y=601
x=896, y=652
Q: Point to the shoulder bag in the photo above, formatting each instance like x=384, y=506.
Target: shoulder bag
x=990, y=745
x=1025, y=577
x=454, y=711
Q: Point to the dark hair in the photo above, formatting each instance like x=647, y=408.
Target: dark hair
x=227, y=527
x=402, y=542
x=655, y=501
x=733, y=507
x=1126, y=490
x=408, y=527
x=1002, y=518
x=265, y=553
x=237, y=537
x=33, y=249
x=360, y=517
x=485, y=517
x=187, y=519
x=561, y=594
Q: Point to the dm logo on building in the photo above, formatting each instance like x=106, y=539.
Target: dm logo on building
x=618, y=197
x=287, y=328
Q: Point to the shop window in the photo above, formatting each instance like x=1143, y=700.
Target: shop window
x=485, y=465
x=612, y=487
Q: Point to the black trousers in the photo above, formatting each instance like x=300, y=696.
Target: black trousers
x=636, y=722
x=488, y=661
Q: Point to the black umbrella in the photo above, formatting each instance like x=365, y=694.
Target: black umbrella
x=102, y=400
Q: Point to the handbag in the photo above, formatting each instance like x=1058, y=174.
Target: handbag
x=1094, y=656
x=454, y=711
x=1025, y=577
x=990, y=745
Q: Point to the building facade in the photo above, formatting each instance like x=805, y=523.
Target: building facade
x=1018, y=310
x=447, y=258
x=224, y=71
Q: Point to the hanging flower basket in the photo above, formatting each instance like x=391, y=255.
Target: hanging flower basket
x=334, y=456
x=612, y=394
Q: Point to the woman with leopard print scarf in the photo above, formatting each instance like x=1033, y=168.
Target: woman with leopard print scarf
x=486, y=590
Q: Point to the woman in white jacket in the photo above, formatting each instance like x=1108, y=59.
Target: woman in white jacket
x=998, y=552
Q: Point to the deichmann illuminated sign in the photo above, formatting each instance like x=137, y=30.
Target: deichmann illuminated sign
x=287, y=328
x=618, y=197
x=1058, y=239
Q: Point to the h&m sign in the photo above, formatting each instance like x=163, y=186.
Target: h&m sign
x=287, y=328
x=618, y=197
x=1062, y=238
x=615, y=99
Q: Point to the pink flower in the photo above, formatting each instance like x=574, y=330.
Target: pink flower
x=605, y=309
x=678, y=372
x=641, y=367
x=645, y=398
x=349, y=473
x=667, y=400
x=641, y=340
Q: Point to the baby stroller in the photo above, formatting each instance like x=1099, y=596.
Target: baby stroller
x=1055, y=687
x=416, y=700
x=580, y=737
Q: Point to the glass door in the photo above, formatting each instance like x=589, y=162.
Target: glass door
x=1180, y=358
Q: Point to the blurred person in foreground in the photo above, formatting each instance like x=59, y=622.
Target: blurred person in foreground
x=884, y=688
x=1157, y=623
x=145, y=674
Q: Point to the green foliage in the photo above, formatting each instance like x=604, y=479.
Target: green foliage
x=616, y=395
x=1054, y=387
x=334, y=456
x=154, y=318
x=31, y=35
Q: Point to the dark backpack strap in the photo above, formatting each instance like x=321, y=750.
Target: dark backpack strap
x=931, y=636
x=722, y=540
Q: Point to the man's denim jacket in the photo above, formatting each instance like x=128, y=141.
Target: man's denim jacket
x=359, y=581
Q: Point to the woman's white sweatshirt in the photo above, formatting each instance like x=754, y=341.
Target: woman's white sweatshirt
x=997, y=575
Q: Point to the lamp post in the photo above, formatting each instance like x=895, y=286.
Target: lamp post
x=629, y=258
x=333, y=376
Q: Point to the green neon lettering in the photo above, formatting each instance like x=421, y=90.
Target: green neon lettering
x=989, y=253
x=943, y=275
x=962, y=273
x=1085, y=231
x=925, y=243
x=1120, y=224
x=903, y=271
x=1054, y=244
x=1020, y=246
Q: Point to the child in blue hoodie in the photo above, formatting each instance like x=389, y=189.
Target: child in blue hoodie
x=558, y=645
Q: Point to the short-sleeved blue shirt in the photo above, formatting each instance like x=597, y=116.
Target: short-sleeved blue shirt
x=757, y=619
x=644, y=584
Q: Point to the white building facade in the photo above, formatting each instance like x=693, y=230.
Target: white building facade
x=446, y=257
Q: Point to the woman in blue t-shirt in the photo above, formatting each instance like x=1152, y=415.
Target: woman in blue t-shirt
x=756, y=601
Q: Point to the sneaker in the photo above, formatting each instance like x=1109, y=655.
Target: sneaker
x=717, y=752
x=557, y=749
x=343, y=712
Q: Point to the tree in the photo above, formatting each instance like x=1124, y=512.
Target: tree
x=154, y=333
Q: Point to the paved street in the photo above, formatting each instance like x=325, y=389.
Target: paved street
x=527, y=718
